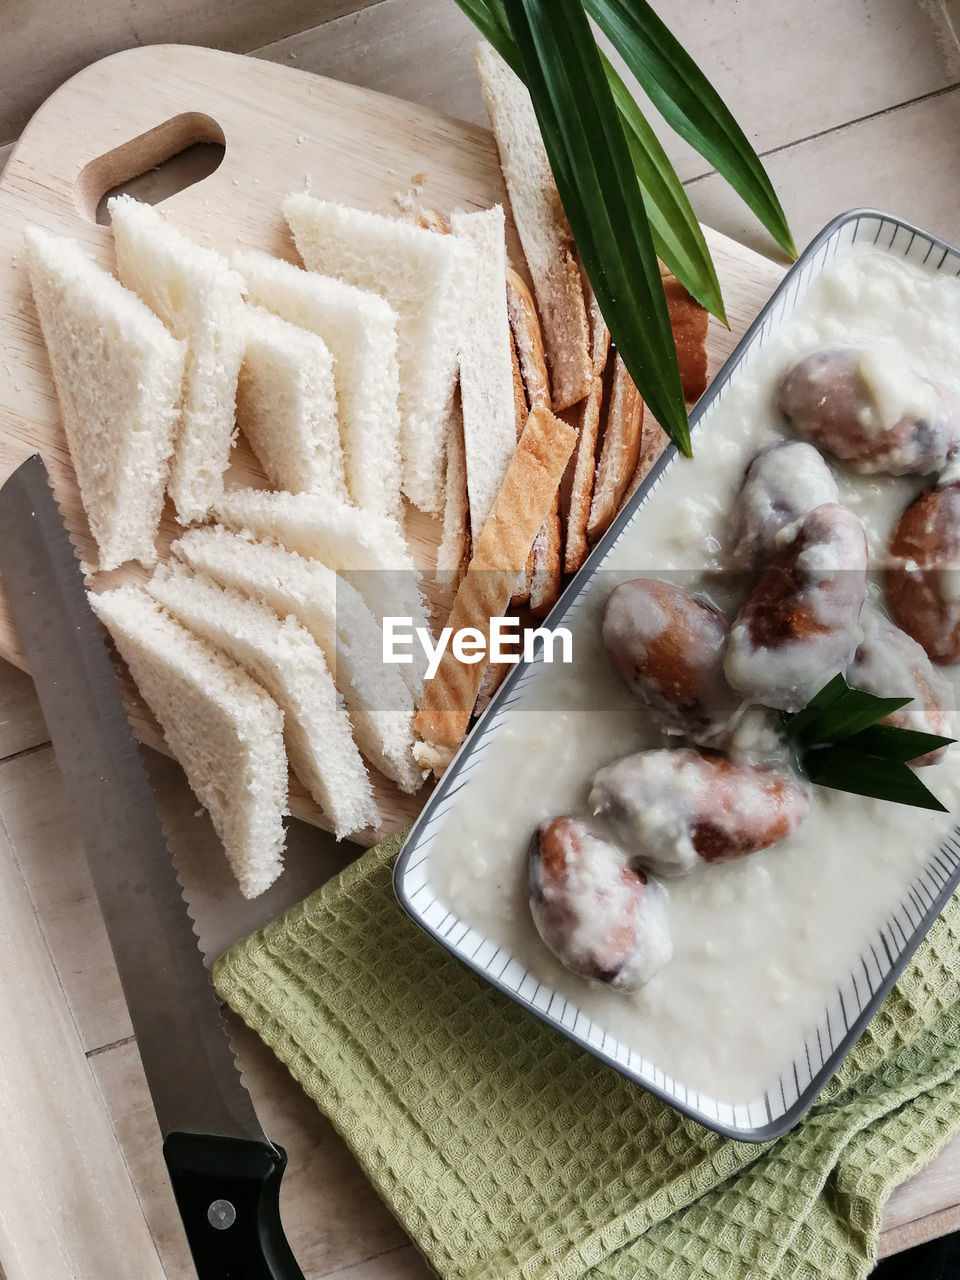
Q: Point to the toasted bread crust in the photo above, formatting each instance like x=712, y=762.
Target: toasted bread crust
x=431, y=220
x=529, y=339
x=543, y=566
x=620, y=452
x=546, y=578
x=493, y=678
x=522, y=593
x=584, y=468
x=453, y=553
x=689, y=323
x=653, y=441
x=525, y=498
x=519, y=394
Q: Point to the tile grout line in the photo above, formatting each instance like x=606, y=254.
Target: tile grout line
x=361, y=1262
x=361, y=8
x=105, y=1048
x=38, y=925
x=838, y=128
x=25, y=751
x=353, y=15
x=140, y=1193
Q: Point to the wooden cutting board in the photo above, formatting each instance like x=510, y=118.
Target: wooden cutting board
x=283, y=130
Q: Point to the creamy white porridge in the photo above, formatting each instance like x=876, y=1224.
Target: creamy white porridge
x=759, y=944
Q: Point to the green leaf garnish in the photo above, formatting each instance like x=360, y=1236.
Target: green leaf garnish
x=677, y=236
x=838, y=712
x=690, y=105
x=843, y=768
x=893, y=743
x=841, y=744
x=591, y=161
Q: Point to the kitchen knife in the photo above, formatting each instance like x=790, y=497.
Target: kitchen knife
x=225, y=1172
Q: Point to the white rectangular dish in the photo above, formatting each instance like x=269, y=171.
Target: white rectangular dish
x=859, y=989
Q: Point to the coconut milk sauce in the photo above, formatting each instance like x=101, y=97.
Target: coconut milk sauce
x=760, y=944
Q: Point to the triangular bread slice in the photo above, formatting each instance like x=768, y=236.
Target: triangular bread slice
x=486, y=364
x=197, y=296
x=360, y=330
x=118, y=375
x=425, y=278
x=368, y=550
x=379, y=703
x=287, y=405
x=223, y=728
x=542, y=226
x=285, y=659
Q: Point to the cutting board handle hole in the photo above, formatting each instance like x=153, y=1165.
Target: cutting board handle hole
x=153, y=166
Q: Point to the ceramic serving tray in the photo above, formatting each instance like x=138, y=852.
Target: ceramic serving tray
x=859, y=992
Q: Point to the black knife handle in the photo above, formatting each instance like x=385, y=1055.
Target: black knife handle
x=228, y=1194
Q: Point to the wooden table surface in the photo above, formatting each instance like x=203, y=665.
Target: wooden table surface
x=851, y=102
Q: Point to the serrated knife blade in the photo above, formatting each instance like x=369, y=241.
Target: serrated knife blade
x=225, y=1173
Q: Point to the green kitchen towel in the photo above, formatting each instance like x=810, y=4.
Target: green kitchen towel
x=506, y=1152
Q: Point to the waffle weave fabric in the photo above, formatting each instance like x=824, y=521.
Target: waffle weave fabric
x=506, y=1152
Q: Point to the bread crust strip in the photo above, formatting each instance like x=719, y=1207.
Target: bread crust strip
x=521, y=412
x=520, y=408
x=581, y=492
x=620, y=452
x=529, y=339
x=525, y=498
x=453, y=553
x=689, y=321
x=544, y=566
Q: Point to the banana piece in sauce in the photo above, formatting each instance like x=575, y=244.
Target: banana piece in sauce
x=891, y=664
x=668, y=647
x=782, y=484
x=601, y=918
x=923, y=582
x=674, y=811
x=868, y=407
x=800, y=626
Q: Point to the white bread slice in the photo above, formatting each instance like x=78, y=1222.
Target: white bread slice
x=118, y=375
x=285, y=659
x=542, y=226
x=486, y=365
x=379, y=703
x=197, y=296
x=368, y=550
x=287, y=405
x=223, y=728
x=424, y=276
x=360, y=330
